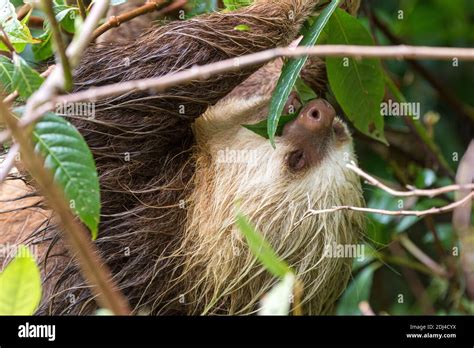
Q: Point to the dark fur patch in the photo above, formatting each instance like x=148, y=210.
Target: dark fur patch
x=144, y=198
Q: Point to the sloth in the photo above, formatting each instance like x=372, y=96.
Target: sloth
x=174, y=164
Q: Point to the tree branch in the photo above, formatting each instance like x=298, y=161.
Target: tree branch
x=413, y=191
x=418, y=213
x=151, y=6
x=422, y=257
x=95, y=272
x=159, y=84
x=9, y=161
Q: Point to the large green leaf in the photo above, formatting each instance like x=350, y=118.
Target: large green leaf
x=25, y=79
x=20, y=285
x=292, y=69
x=17, y=31
x=358, y=85
x=262, y=249
x=358, y=291
x=69, y=158
x=6, y=74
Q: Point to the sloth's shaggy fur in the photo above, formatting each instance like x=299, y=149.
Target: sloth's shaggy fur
x=167, y=229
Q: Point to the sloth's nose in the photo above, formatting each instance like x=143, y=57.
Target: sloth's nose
x=317, y=116
x=314, y=121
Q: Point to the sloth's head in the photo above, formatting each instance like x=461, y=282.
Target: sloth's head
x=274, y=188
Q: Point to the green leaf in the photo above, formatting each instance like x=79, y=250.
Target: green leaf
x=20, y=285
x=262, y=249
x=357, y=291
x=69, y=158
x=305, y=92
x=261, y=127
x=6, y=74
x=277, y=300
x=17, y=32
x=232, y=5
x=242, y=27
x=44, y=50
x=291, y=71
x=358, y=85
x=25, y=79
x=67, y=17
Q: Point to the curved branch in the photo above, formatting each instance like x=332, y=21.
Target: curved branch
x=151, y=6
x=159, y=84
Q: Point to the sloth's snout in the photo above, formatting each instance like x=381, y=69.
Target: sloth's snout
x=315, y=121
x=309, y=135
x=317, y=116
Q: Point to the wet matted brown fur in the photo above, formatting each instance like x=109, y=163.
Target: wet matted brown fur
x=168, y=200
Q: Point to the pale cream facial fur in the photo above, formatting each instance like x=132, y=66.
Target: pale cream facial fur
x=275, y=200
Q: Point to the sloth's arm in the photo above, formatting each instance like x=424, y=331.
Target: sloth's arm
x=181, y=45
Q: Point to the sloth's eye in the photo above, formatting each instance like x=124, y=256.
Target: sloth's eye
x=296, y=160
x=293, y=104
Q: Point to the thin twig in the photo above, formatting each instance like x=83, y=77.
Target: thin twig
x=413, y=191
x=23, y=11
x=418, y=213
x=6, y=41
x=55, y=82
x=422, y=257
x=96, y=272
x=151, y=6
x=58, y=41
x=9, y=161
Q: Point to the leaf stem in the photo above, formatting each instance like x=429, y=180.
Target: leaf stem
x=58, y=40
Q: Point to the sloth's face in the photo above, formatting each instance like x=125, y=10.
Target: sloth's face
x=310, y=155
x=274, y=188
x=312, y=135
x=315, y=143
